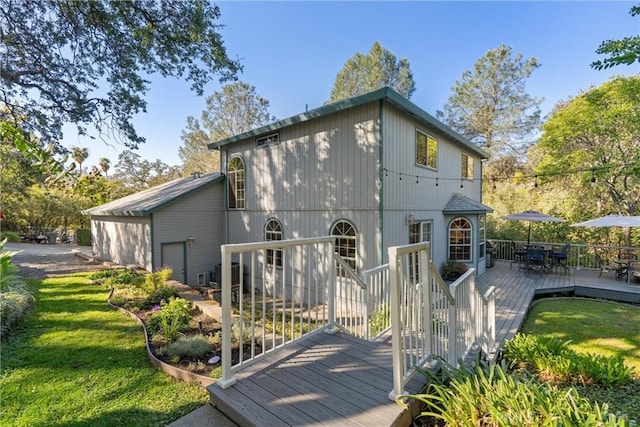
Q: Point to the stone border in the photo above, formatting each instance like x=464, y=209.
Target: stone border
x=178, y=373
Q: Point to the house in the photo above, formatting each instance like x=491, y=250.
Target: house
x=176, y=224
x=374, y=170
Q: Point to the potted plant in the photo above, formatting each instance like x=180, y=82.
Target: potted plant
x=452, y=269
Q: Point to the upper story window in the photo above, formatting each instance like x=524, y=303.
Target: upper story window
x=426, y=150
x=273, y=231
x=460, y=240
x=235, y=179
x=268, y=140
x=467, y=166
x=345, y=234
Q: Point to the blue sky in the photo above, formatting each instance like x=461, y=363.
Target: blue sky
x=292, y=51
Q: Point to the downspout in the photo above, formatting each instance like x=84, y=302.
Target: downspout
x=153, y=250
x=381, y=183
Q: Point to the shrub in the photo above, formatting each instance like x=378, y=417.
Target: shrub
x=15, y=302
x=487, y=395
x=11, y=236
x=553, y=360
x=83, y=236
x=171, y=318
x=380, y=320
x=7, y=269
x=189, y=347
x=156, y=286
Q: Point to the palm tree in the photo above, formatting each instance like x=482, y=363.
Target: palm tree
x=79, y=154
x=105, y=164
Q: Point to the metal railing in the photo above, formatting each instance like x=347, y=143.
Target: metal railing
x=430, y=319
x=579, y=256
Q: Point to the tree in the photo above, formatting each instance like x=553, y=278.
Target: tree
x=105, y=165
x=232, y=111
x=625, y=51
x=598, y=133
x=137, y=174
x=365, y=73
x=490, y=107
x=86, y=62
x=79, y=155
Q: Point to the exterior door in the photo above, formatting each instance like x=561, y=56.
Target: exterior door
x=174, y=256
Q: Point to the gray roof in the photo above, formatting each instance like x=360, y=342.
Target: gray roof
x=387, y=94
x=459, y=204
x=145, y=202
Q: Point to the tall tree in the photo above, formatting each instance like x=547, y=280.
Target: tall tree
x=364, y=73
x=234, y=110
x=86, y=62
x=105, y=165
x=624, y=51
x=79, y=155
x=138, y=174
x=597, y=132
x=490, y=106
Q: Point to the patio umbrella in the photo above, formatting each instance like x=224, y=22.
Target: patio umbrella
x=532, y=216
x=611, y=221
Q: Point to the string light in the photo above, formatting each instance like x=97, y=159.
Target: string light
x=437, y=181
x=535, y=181
x=417, y=182
x=461, y=185
x=593, y=177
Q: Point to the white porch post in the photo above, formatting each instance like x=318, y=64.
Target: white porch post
x=396, y=329
x=227, y=379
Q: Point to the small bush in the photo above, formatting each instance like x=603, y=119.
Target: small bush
x=189, y=347
x=487, y=395
x=11, y=236
x=171, y=318
x=554, y=361
x=15, y=302
x=83, y=236
x=156, y=286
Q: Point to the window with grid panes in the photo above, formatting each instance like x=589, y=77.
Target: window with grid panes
x=460, y=240
x=273, y=231
x=236, y=183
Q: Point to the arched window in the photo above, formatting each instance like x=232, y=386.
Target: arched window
x=460, y=240
x=235, y=179
x=345, y=234
x=273, y=231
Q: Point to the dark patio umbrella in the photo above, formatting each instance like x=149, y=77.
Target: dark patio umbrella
x=532, y=216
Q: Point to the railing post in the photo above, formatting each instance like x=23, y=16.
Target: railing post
x=227, y=379
x=425, y=276
x=396, y=330
x=491, y=320
x=366, y=278
x=333, y=278
x=453, y=332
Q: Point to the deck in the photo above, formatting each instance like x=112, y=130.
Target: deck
x=341, y=380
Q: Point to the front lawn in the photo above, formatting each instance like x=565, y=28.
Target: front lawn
x=77, y=361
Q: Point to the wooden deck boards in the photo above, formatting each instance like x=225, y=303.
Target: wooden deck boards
x=339, y=380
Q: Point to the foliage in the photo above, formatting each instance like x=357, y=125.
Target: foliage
x=623, y=51
x=363, y=73
x=83, y=236
x=95, y=362
x=7, y=269
x=16, y=300
x=380, y=320
x=117, y=277
x=452, y=266
x=188, y=347
x=554, y=361
x=490, y=106
x=597, y=132
x=79, y=154
x=156, y=286
x=171, y=318
x=138, y=174
x=234, y=110
x=11, y=236
x=487, y=395
x=88, y=62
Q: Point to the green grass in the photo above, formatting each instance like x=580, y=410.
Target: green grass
x=599, y=327
x=75, y=361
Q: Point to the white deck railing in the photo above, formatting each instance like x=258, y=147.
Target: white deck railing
x=379, y=301
x=430, y=319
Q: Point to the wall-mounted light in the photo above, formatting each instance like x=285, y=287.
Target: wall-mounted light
x=190, y=241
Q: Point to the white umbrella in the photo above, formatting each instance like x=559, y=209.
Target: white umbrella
x=611, y=221
x=532, y=216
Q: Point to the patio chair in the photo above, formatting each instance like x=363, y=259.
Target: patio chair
x=634, y=271
x=559, y=258
x=622, y=268
x=535, y=258
x=518, y=254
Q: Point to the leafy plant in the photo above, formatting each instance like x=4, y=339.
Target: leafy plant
x=553, y=360
x=488, y=395
x=10, y=236
x=191, y=347
x=452, y=267
x=7, y=269
x=171, y=318
x=83, y=236
x=155, y=284
x=379, y=320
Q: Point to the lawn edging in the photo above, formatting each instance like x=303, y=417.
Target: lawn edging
x=178, y=373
